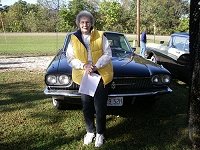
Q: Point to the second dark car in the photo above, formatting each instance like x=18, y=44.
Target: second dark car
x=134, y=76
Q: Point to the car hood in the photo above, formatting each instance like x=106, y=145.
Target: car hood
x=138, y=67
x=123, y=67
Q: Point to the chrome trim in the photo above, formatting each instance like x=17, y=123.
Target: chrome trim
x=74, y=93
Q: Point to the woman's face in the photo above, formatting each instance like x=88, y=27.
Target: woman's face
x=85, y=25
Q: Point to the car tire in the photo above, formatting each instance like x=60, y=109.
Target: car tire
x=147, y=102
x=59, y=104
x=150, y=102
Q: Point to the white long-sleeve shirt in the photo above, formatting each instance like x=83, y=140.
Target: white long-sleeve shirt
x=102, y=61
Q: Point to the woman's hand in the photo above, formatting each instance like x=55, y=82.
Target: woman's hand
x=89, y=68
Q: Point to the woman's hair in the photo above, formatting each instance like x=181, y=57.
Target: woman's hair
x=84, y=14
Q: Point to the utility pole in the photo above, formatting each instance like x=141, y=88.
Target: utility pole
x=138, y=23
x=57, y=21
x=3, y=8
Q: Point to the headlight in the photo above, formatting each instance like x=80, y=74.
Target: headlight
x=59, y=79
x=166, y=79
x=51, y=79
x=64, y=79
x=155, y=79
x=161, y=79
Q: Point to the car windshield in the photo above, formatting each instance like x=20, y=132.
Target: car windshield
x=181, y=43
x=119, y=45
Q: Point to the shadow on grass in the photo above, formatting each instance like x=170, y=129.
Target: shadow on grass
x=20, y=92
x=33, y=123
x=131, y=127
x=34, y=142
x=164, y=126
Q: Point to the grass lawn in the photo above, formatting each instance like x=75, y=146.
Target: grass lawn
x=36, y=45
x=29, y=122
x=30, y=45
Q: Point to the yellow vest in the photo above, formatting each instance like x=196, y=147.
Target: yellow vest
x=80, y=52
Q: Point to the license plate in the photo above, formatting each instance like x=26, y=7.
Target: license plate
x=115, y=101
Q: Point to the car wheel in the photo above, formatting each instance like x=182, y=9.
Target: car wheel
x=150, y=102
x=147, y=102
x=58, y=104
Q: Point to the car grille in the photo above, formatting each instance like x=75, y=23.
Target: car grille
x=123, y=85
x=133, y=85
x=74, y=86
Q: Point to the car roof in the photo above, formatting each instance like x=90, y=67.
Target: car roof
x=185, y=34
x=106, y=32
x=112, y=32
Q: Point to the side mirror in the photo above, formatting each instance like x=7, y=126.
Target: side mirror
x=161, y=42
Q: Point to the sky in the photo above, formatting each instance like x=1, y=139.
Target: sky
x=11, y=2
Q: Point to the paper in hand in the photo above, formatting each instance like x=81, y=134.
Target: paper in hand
x=89, y=84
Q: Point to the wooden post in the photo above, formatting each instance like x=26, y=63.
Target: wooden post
x=138, y=23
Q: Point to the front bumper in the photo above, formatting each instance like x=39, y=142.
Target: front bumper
x=75, y=94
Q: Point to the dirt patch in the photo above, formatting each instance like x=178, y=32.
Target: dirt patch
x=37, y=63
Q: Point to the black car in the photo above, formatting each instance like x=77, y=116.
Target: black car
x=134, y=76
x=174, y=56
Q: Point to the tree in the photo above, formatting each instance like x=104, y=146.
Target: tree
x=184, y=25
x=110, y=15
x=128, y=18
x=164, y=14
x=194, y=91
x=25, y=17
x=67, y=15
x=15, y=15
x=59, y=15
x=30, y=20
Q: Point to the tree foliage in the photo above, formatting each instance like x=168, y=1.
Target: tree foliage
x=67, y=15
x=110, y=12
x=164, y=14
x=57, y=15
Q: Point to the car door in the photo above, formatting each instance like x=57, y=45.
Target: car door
x=179, y=45
x=183, y=63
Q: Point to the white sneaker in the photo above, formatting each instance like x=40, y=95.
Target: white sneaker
x=88, y=138
x=99, y=140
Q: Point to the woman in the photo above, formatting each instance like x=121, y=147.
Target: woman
x=89, y=51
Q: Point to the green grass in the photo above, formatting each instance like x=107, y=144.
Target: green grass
x=35, y=45
x=28, y=120
x=30, y=45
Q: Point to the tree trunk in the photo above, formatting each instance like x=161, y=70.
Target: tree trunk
x=194, y=91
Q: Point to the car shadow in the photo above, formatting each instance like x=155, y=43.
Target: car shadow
x=157, y=126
